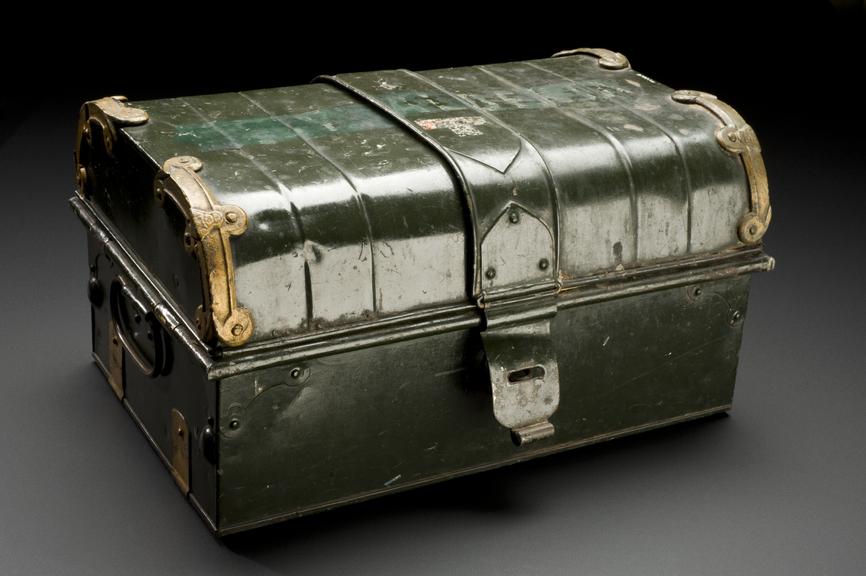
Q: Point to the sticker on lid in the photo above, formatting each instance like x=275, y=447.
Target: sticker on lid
x=460, y=125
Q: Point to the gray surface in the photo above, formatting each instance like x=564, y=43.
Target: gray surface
x=779, y=487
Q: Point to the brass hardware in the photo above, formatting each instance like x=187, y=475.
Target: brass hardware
x=179, y=458
x=115, y=360
x=209, y=227
x=737, y=137
x=108, y=114
x=606, y=58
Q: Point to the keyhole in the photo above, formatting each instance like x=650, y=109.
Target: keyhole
x=533, y=373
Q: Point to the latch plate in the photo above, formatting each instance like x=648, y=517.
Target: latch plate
x=524, y=377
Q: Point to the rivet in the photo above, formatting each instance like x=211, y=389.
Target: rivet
x=491, y=273
x=180, y=432
x=514, y=217
x=698, y=291
x=95, y=293
x=231, y=217
x=543, y=263
x=238, y=329
x=295, y=373
x=753, y=229
x=234, y=423
x=736, y=317
x=732, y=136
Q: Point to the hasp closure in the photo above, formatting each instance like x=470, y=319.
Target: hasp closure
x=521, y=361
x=511, y=199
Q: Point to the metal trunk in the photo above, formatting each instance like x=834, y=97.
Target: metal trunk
x=313, y=295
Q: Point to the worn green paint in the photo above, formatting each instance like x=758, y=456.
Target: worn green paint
x=424, y=412
x=272, y=129
x=364, y=257
x=351, y=217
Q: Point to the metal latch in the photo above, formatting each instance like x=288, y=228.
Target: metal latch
x=524, y=374
x=512, y=205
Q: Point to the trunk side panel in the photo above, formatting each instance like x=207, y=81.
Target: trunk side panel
x=371, y=420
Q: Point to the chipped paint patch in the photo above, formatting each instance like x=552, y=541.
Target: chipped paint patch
x=459, y=125
x=646, y=106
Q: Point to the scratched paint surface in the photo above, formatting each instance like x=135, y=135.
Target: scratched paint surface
x=347, y=431
x=352, y=217
x=356, y=214
x=349, y=117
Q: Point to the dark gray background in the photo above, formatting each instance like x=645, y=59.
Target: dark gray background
x=778, y=487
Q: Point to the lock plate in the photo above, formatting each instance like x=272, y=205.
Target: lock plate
x=179, y=450
x=524, y=377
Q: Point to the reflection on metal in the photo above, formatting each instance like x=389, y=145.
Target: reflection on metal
x=738, y=138
x=606, y=58
x=115, y=360
x=179, y=458
x=106, y=115
x=490, y=199
x=579, y=292
x=209, y=227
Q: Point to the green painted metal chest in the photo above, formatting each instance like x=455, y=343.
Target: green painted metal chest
x=313, y=295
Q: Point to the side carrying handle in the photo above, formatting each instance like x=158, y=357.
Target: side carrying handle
x=137, y=329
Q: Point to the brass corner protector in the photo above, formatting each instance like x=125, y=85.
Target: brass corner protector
x=606, y=58
x=209, y=227
x=737, y=137
x=106, y=114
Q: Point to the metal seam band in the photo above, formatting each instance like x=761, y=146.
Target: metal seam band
x=476, y=289
x=452, y=165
